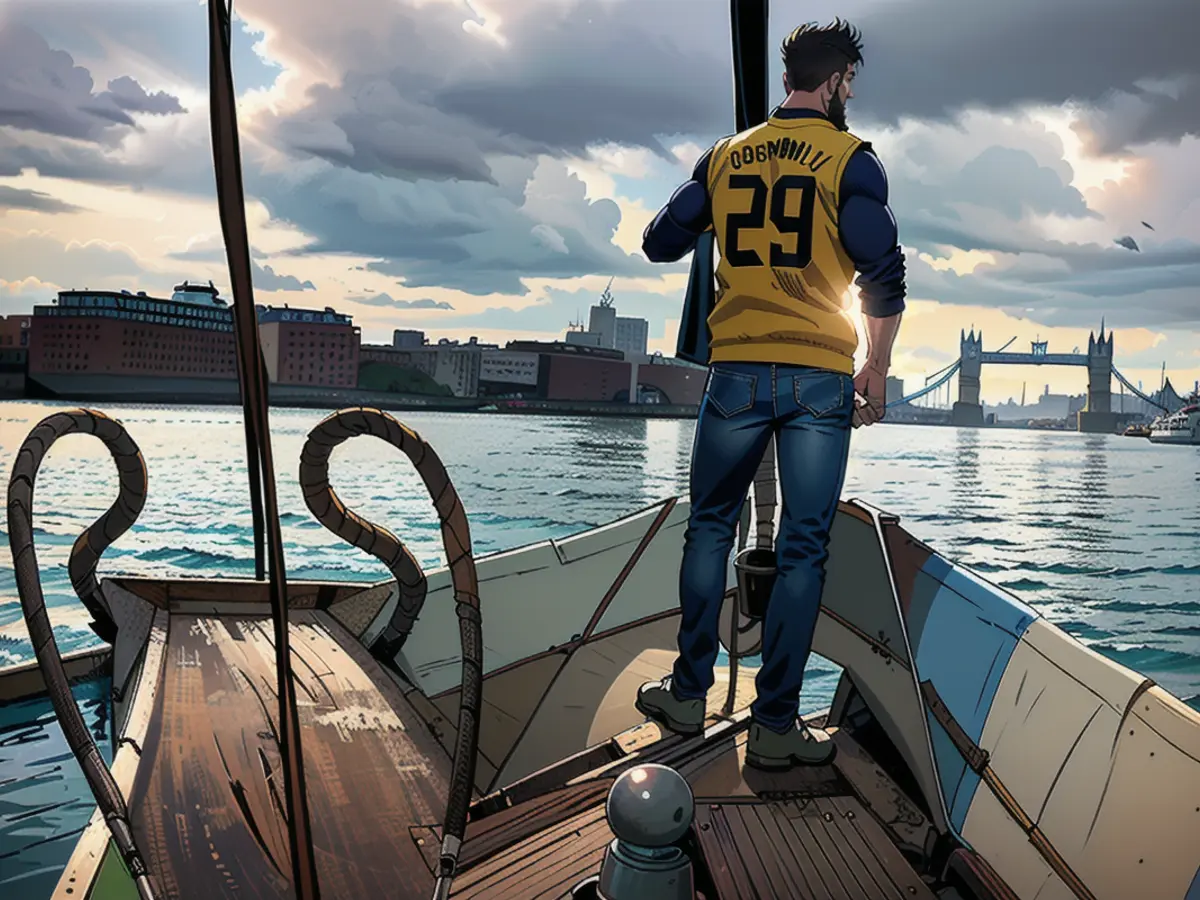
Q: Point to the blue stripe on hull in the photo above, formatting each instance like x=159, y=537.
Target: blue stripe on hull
x=965, y=643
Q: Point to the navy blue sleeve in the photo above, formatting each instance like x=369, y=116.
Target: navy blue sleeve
x=868, y=232
x=687, y=215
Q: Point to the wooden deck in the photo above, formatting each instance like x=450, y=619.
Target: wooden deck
x=208, y=811
x=821, y=848
x=801, y=835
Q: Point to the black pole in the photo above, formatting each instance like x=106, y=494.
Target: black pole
x=750, y=80
x=748, y=27
x=252, y=371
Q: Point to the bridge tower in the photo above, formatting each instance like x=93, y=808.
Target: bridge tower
x=968, y=410
x=1098, y=416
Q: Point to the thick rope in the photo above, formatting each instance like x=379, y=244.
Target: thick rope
x=323, y=502
x=82, y=567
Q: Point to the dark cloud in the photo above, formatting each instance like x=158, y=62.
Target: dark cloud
x=21, y=198
x=932, y=58
x=131, y=96
x=439, y=100
x=386, y=300
x=536, y=222
x=267, y=279
x=1077, y=285
x=43, y=90
x=1145, y=114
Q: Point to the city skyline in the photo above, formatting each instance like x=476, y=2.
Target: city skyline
x=495, y=196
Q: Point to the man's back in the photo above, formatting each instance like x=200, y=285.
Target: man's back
x=784, y=274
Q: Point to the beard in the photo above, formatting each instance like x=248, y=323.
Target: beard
x=837, y=111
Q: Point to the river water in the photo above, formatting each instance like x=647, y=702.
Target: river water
x=1100, y=533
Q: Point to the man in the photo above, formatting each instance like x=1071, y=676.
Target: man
x=797, y=205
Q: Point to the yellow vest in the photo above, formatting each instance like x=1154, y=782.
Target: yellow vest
x=784, y=277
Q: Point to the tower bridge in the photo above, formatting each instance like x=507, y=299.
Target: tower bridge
x=1096, y=416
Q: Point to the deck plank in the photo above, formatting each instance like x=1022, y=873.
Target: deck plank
x=207, y=809
x=549, y=863
x=798, y=817
x=487, y=837
x=814, y=848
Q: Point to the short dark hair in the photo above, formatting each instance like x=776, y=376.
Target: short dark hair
x=812, y=54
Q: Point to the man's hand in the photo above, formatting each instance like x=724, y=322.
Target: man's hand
x=870, y=384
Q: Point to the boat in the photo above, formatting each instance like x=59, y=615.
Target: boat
x=1180, y=427
x=470, y=731
x=1137, y=430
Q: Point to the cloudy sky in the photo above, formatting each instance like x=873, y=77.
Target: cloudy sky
x=483, y=168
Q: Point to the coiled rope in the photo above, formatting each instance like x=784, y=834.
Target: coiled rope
x=323, y=502
x=131, y=497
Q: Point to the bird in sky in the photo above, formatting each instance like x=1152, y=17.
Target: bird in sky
x=1128, y=243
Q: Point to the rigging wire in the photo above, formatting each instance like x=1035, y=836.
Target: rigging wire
x=252, y=374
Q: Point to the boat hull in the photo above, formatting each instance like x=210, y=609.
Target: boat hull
x=1002, y=721
x=1168, y=437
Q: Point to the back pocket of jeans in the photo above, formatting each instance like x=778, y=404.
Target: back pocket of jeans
x=820, y=393
x=730, y=392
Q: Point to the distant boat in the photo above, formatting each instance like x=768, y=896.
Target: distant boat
x=1137, y=431
x=1181, y=427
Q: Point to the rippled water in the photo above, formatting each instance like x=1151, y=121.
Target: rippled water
x=1100, y=533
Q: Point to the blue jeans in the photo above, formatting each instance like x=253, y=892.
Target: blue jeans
x=809, y=412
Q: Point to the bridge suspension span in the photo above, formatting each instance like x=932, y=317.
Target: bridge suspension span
x=1125, y=381
x=946, y=375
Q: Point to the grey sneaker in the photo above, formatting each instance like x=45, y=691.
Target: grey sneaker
x=775, y=752
x=657, y=700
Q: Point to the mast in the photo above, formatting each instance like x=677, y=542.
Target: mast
x=252, y=377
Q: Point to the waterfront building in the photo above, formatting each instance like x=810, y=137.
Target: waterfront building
x=509, y=373
x=894, y=389
x=602, y=322
x=449, y=363
x=632, y=335
x=612, y=332
x=407, y=338
x=14, y=354
x=304, y=346
x=568, y=371
x=125, y=343
x=14, y=331
x=584, y=338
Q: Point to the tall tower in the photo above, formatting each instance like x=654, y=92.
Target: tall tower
x=1099, y=363
x=968, y=411
x=1097, y=417
x=970, y=348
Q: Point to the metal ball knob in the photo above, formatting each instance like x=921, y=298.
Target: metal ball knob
x=650, y=806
